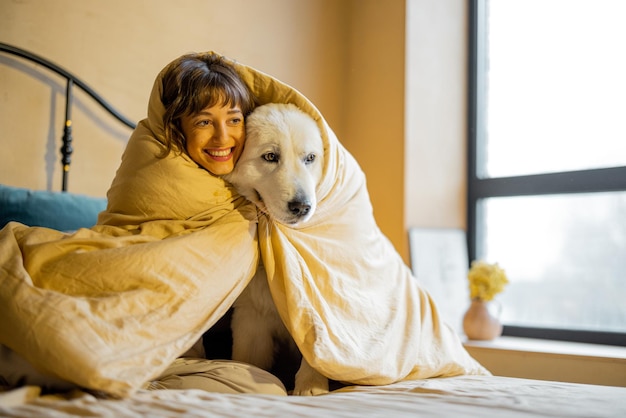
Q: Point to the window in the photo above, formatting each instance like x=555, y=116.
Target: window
x=547, y=163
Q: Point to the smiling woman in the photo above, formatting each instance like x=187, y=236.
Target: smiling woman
x=215, y=137
x=206, y=103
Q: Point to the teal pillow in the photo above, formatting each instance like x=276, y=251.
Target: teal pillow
x=56, y=210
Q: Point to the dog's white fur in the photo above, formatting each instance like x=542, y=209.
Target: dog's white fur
x=279, y=170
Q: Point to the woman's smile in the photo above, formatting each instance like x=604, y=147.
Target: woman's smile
x=220, y=154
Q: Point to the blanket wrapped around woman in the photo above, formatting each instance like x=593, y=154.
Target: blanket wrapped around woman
x=110, y=307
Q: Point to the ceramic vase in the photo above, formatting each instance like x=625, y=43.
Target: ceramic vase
x=479, y=323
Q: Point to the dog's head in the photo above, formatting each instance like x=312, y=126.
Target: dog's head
x=281, y=163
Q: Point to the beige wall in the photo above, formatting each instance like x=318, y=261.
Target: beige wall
x=436, y=86
x=349, y=57
x=374, y=117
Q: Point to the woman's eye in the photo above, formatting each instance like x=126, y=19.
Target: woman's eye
x=270, y=157
x=310, y=158
x=204, y=123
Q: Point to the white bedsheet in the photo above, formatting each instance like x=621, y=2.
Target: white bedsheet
x=460, y=396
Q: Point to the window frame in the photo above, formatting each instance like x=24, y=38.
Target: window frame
x=566, y=182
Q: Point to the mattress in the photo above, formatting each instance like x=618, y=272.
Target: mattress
x=462, y=396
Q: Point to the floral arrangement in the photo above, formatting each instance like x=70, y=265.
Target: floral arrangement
x=486, y=280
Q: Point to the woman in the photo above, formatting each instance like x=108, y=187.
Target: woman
x=195, y=119
x=205, y=106
x=117, y=305
x=206, y=103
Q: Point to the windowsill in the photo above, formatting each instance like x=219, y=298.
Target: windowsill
x=551, y=360
x=552, y=347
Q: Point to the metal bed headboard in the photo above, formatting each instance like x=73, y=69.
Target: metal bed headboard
x=72, y=80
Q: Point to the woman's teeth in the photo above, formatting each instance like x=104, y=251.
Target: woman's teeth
x=219, y=153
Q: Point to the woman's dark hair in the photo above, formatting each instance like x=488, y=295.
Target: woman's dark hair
x=194, y=82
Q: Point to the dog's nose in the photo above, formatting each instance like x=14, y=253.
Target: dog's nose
x=299, y=208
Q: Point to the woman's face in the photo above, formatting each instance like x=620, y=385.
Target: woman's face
x=215, y=137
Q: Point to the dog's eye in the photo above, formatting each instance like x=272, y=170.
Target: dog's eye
x=309, y=158
x=271, y=157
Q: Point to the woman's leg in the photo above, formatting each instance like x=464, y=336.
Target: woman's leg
x=221, y=376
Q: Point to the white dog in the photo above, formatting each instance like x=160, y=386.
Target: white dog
x=279, y=170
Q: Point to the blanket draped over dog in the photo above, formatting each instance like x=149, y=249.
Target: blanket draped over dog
x=110, y=307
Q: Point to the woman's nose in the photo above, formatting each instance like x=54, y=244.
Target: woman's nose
x=219, y=134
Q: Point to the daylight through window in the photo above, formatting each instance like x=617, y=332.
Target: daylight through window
x=547, y=161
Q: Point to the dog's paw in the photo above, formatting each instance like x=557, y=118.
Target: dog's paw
x=310, y=383
x=311, y=388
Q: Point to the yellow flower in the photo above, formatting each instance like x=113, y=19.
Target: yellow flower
x=486, y=280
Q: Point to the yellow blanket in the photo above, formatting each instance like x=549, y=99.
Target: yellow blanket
x=108, y=308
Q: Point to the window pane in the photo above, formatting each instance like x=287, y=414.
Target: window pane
x=556, y=90
x=565, y=257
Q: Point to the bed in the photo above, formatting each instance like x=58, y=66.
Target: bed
x=460, y=395
x=446, y=397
